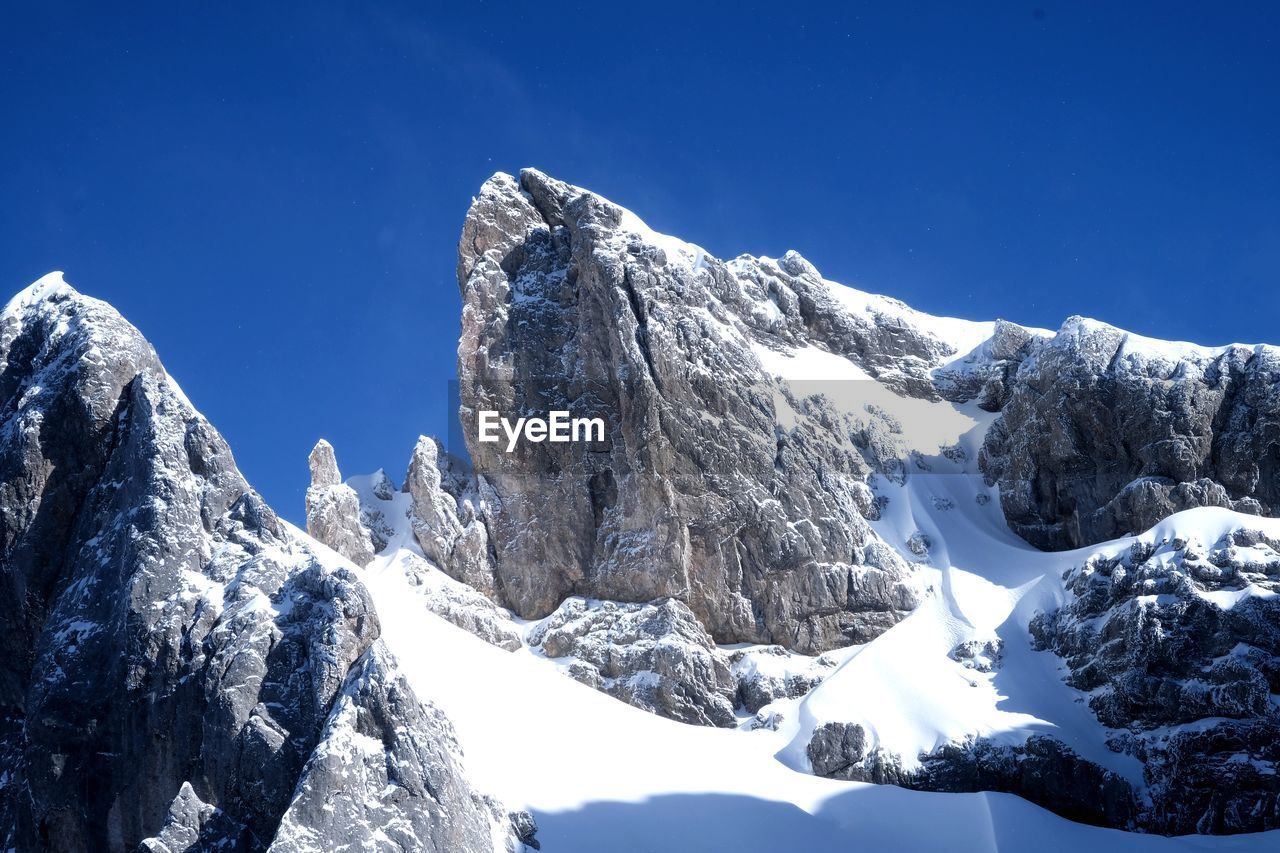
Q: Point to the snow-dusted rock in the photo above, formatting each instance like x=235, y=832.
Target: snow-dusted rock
x=458, y=603
x=1104, y=433
x=655, y=656
x=173, y=652
x=387, y=773
x=447, y=530
x=1177, y=641
x=709, y=486
x=333, y=509
x=768, y=673
x=836, y=750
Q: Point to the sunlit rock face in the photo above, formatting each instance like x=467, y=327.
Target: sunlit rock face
x=711, y=486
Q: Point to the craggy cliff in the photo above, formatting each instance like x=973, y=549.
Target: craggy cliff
x=182, y=671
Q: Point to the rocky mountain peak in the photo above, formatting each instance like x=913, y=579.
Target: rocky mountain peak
x=177, y=661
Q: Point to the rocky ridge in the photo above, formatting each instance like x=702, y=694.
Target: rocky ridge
x=734, y=497
x=182, y=670
x=655, y=655
x=1104, y=433
x=1176, y=641
x=709, y=486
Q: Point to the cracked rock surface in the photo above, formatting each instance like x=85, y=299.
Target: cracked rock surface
x=1177, y=644
x=1103, y=434
x=695, y=493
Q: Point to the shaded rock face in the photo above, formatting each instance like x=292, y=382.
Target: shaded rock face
x=1178, y=643
x=768, y=673
x=173, y=655
x=1042, y=770
x=836, y=750
x=695, y=493
x=655, y=656
x=1101, y=435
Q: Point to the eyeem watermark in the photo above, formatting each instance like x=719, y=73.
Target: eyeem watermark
x=556, y=427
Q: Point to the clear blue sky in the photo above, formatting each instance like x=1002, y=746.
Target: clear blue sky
x=273, y=193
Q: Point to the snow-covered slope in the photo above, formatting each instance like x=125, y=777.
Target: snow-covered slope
x=599, y=774
x=796, y=468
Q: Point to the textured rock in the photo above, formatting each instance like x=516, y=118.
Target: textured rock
x=1186, y=634
x=654, y=656
x=447, y=529
x=1042, y=770
x=697, y=492
x=979, y=655
x=387, y=768
x=1103, y=434
x=333, y=509
x=460, y=604
x=766, y=674
x=172, y=652
x=837, y=749
x=184, y=827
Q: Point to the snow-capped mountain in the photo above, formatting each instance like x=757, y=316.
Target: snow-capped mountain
x=839, y=575
x=182, y=670
x=815, y=517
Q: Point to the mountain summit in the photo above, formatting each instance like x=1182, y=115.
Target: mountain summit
x=804, y=511
x=181, y=669
x=825, y=540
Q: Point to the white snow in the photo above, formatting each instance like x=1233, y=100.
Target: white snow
x=926, y=425
x=962, y=335
x=676, y=250
x=601, y=775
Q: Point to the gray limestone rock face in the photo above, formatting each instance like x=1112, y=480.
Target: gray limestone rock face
x=333, y=509
x=1176, y=642
x=173, y=653
x=185, y=825
x=700, y=490
x=1102, y=434
x=387, y=769
x=444, y=522
x=655, y=656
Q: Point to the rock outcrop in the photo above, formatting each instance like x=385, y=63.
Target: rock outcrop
x=701, y=490
x=655, y=656
x=1177, y=643
x=1104, y=433
x=333, y=509
x=1042, y=769
x=179, y=669
x=443, y=515
x=766, y=674
x=458, y=603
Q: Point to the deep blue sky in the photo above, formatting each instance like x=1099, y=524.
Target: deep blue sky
x=273, y=193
